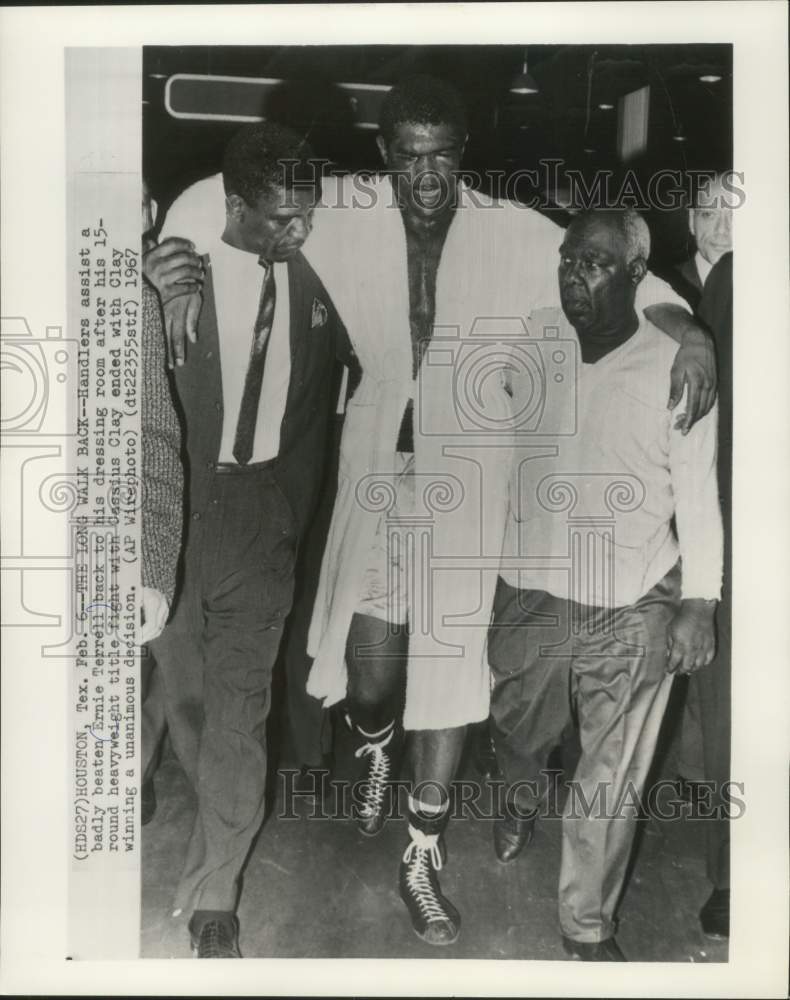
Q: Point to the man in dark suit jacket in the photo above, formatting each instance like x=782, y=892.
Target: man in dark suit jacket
x=710, y=224
x=710, y=227
x=257, y=403
x=705, y=280
x=712, y=688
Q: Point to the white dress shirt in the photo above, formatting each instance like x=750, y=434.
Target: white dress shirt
x=237, y=279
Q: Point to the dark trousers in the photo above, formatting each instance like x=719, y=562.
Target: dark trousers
x=308, y=726
x=216, y=658
x=615, y=659
x=712, y=687
x=153, y=722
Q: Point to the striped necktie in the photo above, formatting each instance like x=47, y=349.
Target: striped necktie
x=250, y=397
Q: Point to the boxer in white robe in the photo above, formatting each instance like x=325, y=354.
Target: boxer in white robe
x=432, y=281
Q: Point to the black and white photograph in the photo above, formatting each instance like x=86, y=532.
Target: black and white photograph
x=418, y=605
x=422, y=790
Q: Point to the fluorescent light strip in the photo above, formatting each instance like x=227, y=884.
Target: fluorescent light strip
x=269, y=81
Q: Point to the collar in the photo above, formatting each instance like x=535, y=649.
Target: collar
x=703, y=267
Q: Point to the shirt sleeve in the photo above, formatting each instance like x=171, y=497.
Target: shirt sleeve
x=692, y=461
x=198, y=214
x=534, y=251
x=333, y=231
x=653, y=291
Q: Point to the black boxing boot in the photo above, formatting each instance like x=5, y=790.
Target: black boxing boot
x=380, y=752
x=434, y=919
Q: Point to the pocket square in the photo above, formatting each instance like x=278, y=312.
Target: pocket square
x=320, y=314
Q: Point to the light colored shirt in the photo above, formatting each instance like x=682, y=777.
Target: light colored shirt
x=596, y=485
x=237, y=279
x=703, y=267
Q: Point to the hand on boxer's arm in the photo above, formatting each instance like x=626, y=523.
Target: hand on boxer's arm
x=176, y=272
x=173, y=268
x=695, y=363
x=181, y=316
x=691, y=638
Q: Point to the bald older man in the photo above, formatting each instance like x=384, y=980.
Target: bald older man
x=591, y=596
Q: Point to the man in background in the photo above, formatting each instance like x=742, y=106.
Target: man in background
x=704, y=737
x=710, y=226
x=711, y=689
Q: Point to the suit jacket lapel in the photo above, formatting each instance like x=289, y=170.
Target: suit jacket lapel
x=689, y=271
x=199, y=381
x=298, y=327
x=208, y=336
x=691, y=289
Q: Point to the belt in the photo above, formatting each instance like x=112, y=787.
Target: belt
x=234, y=469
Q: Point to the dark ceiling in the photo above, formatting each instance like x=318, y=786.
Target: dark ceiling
x=507, y=131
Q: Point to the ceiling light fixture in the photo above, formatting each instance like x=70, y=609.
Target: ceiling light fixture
x=524, y=82
x=606, y=107
x=710, y=78
x=678, y=134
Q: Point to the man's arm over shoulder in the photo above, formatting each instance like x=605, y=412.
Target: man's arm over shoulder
x=197, y=214
x=691, y=637
x=174, y=269
x=536, y=241
x=692, y=459
x=533, y=243
x=331, y=247
x=694, y=369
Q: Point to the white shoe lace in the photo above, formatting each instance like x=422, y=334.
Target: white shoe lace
x=422, y=852
x=378, y=775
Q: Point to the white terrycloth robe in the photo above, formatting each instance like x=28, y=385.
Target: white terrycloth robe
x=497, y=260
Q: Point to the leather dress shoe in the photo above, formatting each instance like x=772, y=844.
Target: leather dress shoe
x=593, y=951
x=484, y=753
x=511, y=836
x=715, y=915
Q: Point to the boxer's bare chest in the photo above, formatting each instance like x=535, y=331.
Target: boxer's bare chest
x=423, y=251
